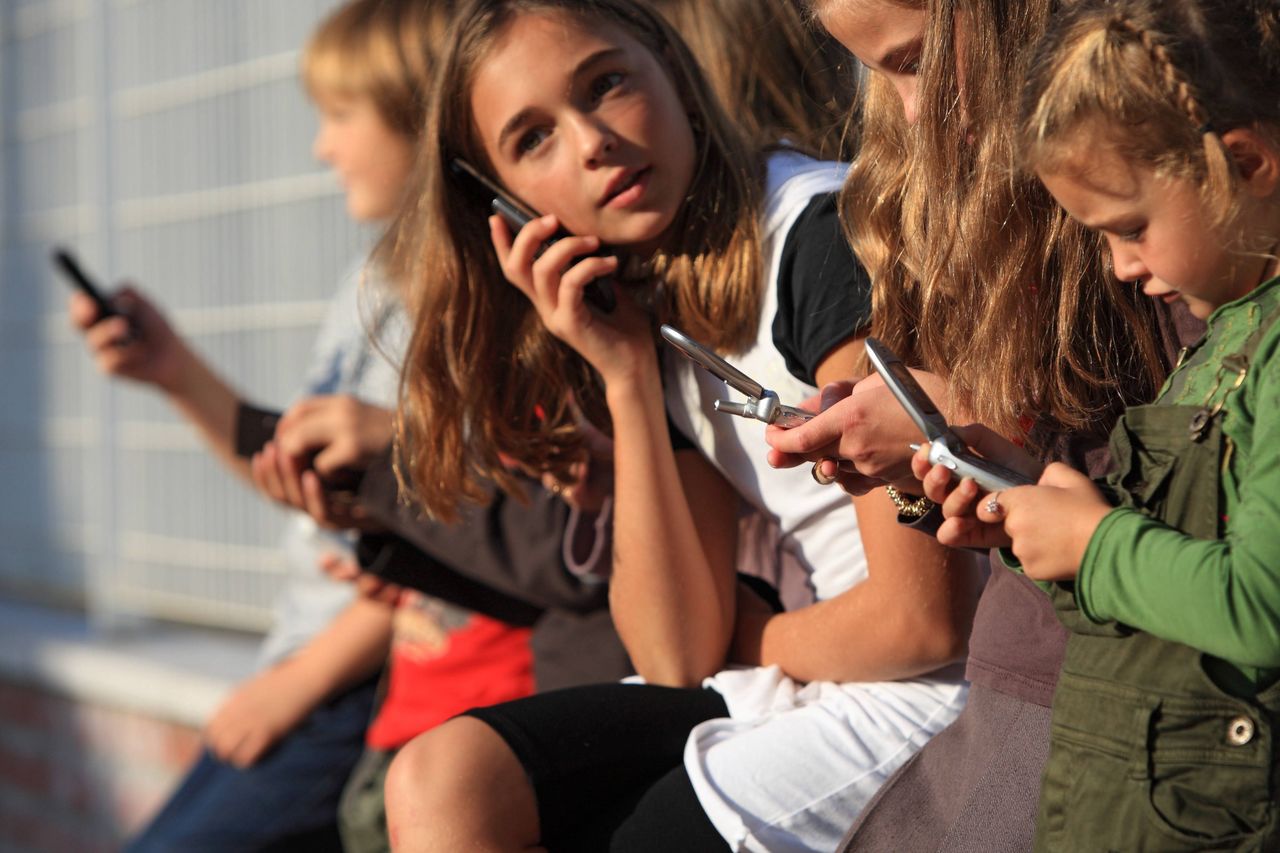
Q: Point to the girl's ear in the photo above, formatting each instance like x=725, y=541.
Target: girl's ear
x=1257, y=160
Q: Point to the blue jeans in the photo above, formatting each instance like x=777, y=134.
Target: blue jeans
x=288, y=800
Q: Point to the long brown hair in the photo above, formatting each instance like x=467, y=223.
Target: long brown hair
x=776, y=74
x=1160, y=81
x=977, y=275
x=484, y=382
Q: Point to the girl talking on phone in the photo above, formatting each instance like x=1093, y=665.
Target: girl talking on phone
x=595, y=114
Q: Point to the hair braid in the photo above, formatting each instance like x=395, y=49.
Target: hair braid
x=1175, y=82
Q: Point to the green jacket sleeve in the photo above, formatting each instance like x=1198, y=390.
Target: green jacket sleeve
x=1219, y=596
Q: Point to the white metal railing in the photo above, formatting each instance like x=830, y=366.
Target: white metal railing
x=187, y=166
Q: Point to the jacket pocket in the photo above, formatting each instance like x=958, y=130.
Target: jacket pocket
x=1208, y=773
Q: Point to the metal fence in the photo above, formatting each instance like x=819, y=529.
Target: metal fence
x=166, y=141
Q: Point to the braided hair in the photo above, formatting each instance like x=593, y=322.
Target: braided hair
x=1161, y=79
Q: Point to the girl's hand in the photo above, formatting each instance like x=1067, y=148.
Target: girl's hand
x=591, y=479
x=1050, y=524
x=258, y=714
x=864, y=427
x=138, y=344
x=555, y=280
x=960, y=500
x=289, y=481
x=367, y=585
x=338, y=433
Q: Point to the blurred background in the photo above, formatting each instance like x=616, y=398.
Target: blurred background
x=168, y=143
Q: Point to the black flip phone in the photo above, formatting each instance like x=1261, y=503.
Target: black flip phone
x=69, y=267
x=599, y=293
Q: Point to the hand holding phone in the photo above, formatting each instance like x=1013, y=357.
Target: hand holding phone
x=599, y=294
x=67, y=264
x=945, y=447
x=761, y=405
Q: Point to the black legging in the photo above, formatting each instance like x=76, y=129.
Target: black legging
x=607, y=765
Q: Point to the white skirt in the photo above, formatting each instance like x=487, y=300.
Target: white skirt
x=795, y=763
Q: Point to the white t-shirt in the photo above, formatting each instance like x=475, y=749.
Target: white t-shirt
x=794, y=763
x=358, y=352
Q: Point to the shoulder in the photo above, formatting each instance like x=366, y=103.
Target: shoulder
x=791, y=182
x=823, y=292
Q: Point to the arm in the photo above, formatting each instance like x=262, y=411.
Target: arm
x=912, y=614
x=1220, y=596
x=672, y=592
x=512, y=547
x=269, y=705
x=142, y=346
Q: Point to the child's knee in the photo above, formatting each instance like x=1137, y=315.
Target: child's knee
x=455, y=779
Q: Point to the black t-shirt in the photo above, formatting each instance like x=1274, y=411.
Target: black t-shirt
x=824, y=294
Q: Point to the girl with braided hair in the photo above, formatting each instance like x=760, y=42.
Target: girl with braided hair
x=1155, y=124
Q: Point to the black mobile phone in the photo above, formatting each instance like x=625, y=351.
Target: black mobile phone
x=69, y=267
x=599, y=293
x=945, y=447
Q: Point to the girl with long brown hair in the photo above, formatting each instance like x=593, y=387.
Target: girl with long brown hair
x=982, y=281
x=593, y=111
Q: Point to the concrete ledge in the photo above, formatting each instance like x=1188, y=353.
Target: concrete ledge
x=170, y=673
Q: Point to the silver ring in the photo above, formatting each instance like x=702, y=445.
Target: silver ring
x=993, y=504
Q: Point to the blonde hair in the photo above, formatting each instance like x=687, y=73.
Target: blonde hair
x=977, y=275
x=1160, y=81
x=383, y=50
x=484, y=382
x=791, y=83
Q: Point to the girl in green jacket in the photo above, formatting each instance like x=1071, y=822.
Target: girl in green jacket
x=1156, y=124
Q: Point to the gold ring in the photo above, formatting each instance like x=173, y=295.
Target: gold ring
x=816, y=471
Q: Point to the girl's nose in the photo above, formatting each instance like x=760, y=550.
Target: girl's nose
x=906, y=86
x=1128, y=264
x=596, y=140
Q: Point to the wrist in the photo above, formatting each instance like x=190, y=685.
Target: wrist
x=640, y=382
x=185, y=374
x=299, y=677
x=908, y=505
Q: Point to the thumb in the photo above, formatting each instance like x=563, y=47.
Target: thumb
x=834, y=392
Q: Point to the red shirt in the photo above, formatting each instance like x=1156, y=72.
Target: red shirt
x=446, y=660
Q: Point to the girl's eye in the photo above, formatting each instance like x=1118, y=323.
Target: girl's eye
x=910, y=66
x=530, y=139
x=1133, y=235
x=604, y=83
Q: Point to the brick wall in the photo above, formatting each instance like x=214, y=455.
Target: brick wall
x=81, y=777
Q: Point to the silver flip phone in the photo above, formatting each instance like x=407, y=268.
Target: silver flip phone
x=945, y=447
x=761, y=405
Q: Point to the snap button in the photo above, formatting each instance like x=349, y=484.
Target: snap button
x=1239, y=731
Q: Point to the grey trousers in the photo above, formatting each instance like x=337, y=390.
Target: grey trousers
x=974, y=788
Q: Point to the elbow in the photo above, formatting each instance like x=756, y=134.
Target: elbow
x=1261, y=650
x=683, y=664
x=935, y=643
